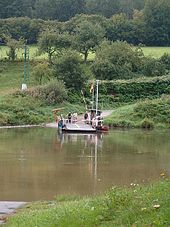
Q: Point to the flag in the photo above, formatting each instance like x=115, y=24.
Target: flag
x=91, y=87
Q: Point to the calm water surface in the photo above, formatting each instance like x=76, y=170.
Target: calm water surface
x=39, y=163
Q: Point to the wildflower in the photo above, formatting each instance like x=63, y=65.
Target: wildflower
x=143, y=209
x=156, y=206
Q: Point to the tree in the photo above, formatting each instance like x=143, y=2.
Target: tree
x=70, y=69
x=66, y=9
x=52, y=43
x=102, y=7
x=74, y=22
x=88, y=37
x=157, y=18
x=42, y=73
x=44, y=9
x=119, y=27
x=117, y=60
x=13, y=45
x=16, y=8
x=61, y=10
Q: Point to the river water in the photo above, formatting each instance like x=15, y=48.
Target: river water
x=39, y=163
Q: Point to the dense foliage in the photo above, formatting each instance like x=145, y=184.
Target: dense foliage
x=70, y=69
x=135, y=89
x=68, y=32
x=64, y=10
x=119, y=60
x=122, y=20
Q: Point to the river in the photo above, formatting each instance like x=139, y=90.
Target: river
x=39, y=163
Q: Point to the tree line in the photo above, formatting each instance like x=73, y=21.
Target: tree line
x=68, y=44
x=63, y=10
x=150, y=26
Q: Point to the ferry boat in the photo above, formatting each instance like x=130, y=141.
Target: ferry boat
x=92, y=124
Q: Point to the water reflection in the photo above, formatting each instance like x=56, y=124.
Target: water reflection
x=92, y=142
x=40, y=163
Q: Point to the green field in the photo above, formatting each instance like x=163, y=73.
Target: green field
x=33, y=53
x=155, y=52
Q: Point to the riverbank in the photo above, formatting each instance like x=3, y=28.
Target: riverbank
x=142, y=114
x=133, y=206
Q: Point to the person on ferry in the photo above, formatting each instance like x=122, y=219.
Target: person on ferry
x=86, y=117
x=69, y=117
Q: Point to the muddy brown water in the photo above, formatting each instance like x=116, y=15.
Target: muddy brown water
x=39, y=163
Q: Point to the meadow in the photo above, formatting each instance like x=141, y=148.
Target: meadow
x=155, y=52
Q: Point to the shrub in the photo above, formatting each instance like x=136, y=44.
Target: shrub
x=153, y=67
x=51, y=93
x=165, y=59
x=147, y=123
x=3, y=118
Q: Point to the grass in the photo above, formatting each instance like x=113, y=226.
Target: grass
x=155, y=52
x=143, y=114
x=134, y=206
x=26, y=110
x=11, y=76
x=33, y=53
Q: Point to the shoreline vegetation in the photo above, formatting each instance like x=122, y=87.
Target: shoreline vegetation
x=142, y=102
x=135, y=205
x=146, y=114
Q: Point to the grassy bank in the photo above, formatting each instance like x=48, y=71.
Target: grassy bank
x=134, y=206
x=28, y=110
x=21, y=110
x=143, y=114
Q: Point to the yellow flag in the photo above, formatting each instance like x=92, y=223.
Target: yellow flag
x=91, y=87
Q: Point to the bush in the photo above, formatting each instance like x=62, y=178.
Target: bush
x=3, y=118
x=144, y=114
x=74, y=97
x=165, y=59
x=147, y=123
x=51, y=93
x=153, y=67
